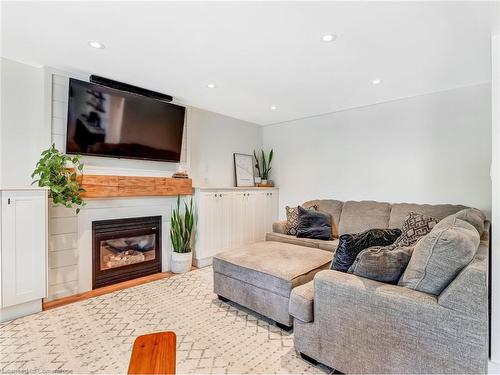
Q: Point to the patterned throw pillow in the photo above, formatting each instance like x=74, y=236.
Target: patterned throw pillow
x=414, y=227
x=292, y=219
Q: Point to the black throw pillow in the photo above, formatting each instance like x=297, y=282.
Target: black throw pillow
x=350, y=245
x=314, y=224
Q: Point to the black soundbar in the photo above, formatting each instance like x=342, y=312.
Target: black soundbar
x=130, y=88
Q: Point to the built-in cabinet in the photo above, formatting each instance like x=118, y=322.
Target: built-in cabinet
x=23, y=255
x=229, y=218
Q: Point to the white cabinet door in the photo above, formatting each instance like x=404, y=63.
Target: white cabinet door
x=240, y=220
x=207, y=212
x=271, y=209
x=24, y=241
x=214, y=223
x=223, y=222
x=259, y=205
x=253, y=224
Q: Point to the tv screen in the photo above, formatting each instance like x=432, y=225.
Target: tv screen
x=103, y=121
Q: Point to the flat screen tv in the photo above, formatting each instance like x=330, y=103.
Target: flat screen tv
x=103, y=121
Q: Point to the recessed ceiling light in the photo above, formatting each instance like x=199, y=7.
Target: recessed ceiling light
x=376, y=81
x=95, y=44
x=328, y=38
x=211, y=86
x=274, y=108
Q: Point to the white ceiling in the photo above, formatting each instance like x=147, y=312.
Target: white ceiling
x=262, y=54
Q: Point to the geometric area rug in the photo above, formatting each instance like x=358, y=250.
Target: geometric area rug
x=96, y=335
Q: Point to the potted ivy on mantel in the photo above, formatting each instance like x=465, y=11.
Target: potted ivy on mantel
x=181, y=228
x=53, y=171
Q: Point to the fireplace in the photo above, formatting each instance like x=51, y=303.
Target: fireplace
x=124, y=249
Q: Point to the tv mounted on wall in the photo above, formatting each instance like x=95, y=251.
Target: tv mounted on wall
x=104, y=121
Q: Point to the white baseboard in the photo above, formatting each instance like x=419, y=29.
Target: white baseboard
x=18, y=311
x=493, y=367
x=204, y=262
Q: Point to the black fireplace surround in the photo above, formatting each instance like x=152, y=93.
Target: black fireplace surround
x=125, y=249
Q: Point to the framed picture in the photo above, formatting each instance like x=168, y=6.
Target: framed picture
x=243, y=170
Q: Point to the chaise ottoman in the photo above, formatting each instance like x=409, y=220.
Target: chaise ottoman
x=262, y=275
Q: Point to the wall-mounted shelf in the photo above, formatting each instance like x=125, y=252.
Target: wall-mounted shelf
x=105, y=186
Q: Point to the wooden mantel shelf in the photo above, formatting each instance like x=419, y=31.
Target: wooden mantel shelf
x=104, y=186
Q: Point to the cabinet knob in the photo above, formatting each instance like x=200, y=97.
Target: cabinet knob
x=220, y=195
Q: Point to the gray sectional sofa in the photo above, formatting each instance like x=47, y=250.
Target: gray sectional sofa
x=357, y=325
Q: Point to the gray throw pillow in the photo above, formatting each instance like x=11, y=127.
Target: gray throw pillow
x=439, y=256
x=314, y=224
x=414, y=227
x=382, y=263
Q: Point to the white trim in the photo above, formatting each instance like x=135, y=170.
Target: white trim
x=495, y=204
x=493, y=367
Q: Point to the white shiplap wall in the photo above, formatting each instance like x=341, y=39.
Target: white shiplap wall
x=63, y=252
x=59, y=86
x=63, y=278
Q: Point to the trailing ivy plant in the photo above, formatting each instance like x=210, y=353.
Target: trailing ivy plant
x=52, y=171
x=181, y=227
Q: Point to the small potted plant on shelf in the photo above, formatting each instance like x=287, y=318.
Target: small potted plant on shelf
x=53, y=171
x=181, y=227
x=264, y=166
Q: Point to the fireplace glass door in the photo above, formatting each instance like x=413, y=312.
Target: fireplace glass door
x=124, y=249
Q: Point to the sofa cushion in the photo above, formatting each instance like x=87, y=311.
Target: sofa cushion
x=329, y=245
x=414, y=227
x=314, y=224
x=400, y=211
x=439, y=256
x=382, y=263
x=301, y=305
x=359, y=216
x=350, y=245
x=308, y=242
x=286, y=238
x=474, y=217
x=275, y=266
x=333, y=207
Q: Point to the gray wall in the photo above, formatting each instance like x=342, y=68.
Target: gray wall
x=434, y=148
x=214, y=139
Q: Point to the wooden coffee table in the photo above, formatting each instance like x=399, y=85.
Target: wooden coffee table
x=153, y=354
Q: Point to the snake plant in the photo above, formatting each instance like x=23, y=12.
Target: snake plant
x=181, y=227
x=264, y=167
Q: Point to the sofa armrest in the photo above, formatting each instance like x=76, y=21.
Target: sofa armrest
x=468, y=293
x=279, y=227
x=394, y=326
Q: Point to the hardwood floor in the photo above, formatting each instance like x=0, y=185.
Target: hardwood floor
x=106, y=289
